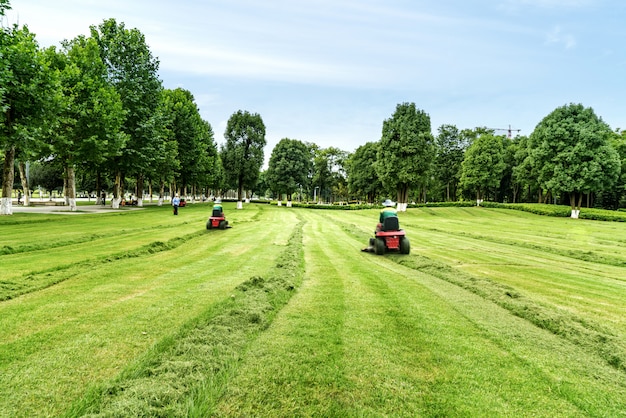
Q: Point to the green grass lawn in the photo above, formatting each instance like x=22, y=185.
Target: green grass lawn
x=494, y=313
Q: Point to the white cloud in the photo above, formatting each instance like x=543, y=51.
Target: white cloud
x=556, y=36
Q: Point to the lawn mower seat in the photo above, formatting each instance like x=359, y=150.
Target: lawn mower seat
x=391, y=224
x=217, y=213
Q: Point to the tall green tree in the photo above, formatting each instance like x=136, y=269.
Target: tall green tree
x=450, y=148
x=483, y=165
x=289, y=166
x=242, y=154
x=196, y=148
x=133, y=71
x=572, y=153
x=329, y=172
x=363, y=180
x=28, y=93
x=88, y=124
x=406, y=152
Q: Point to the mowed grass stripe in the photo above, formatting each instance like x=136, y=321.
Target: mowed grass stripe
x=295, y=368
x=56, y=341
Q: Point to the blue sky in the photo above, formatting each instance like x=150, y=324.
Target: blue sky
x=331, y=71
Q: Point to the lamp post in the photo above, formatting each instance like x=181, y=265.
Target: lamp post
x=315, y=193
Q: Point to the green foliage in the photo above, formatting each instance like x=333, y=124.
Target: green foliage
x=289, y=167
x=242, y=154
x=406, y=150
x=450, y=147
x=87, y=129
x=363, y=180
x=193, y=151
x=4, y=5
x=133, y=71
x=27, y=97
x=483, y=165
x=329, y=173
x=571, y=153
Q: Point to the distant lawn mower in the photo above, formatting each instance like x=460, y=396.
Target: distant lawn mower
x=217, y=220
x=389, y=238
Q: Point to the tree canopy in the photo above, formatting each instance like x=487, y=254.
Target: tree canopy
x=27, y=97
x=289, y=167
x=406, y=151
x=362, y=177
x=242, y=154
x=483, y=164
x=572, y=153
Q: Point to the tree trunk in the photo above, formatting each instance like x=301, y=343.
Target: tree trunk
x=575, y=200
x=6, y=207
x=70, y=187
x=161, y=193
x=117, y=186
x=402, y=194
x=139, y=191
x=239, y=195
x=99, y=189
x=24, y=180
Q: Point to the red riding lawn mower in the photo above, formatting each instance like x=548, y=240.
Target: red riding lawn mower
x=389, y=238
x=217, y=220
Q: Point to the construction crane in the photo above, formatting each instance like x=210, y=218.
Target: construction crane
x=508, y=131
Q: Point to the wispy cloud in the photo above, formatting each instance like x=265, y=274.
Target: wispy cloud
x=558, y=37
x=516, y=5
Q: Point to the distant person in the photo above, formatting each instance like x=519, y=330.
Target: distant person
x=176, y=203
x=19, y=197
x=104, y=198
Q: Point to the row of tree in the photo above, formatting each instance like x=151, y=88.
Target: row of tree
x=97, y=107
x=571, y=154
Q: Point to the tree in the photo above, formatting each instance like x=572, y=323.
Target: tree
x=289, y=167
x=481, y=170
x=450, y=148
x=27, y=93
x=242, y=155
x=88, y=124
x=406, y=151
x=132, y=70
x=572, y=154
x=362, y=177
x=329, y=174
x=196, y=149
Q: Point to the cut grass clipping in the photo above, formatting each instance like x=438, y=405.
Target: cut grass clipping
x=185, y=375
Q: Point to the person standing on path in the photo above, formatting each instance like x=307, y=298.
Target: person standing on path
x=175, y=203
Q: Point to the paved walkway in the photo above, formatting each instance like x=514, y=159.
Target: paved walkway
x=65, y=210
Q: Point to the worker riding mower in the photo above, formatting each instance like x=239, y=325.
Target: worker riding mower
x=389, y=238
x=217, y=220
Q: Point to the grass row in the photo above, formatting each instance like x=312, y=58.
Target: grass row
x=185, y=375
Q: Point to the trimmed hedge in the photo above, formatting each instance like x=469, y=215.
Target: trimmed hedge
x=362, y=206
x=536, y=208
x=561, y=211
